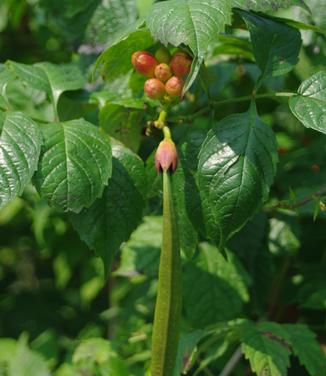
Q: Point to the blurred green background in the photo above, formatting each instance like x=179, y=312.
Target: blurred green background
x=52, y=290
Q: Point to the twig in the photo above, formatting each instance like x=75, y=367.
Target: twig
x=284, y=205
x=214, y=104
x=232, y=363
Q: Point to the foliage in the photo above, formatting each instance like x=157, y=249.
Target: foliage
x=77, y=175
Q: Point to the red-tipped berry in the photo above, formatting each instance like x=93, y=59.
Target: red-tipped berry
x=144, y=63
x=180, y=64
x=166, y=157
x=163, y=55
x=163, y=72
x=174, y=86
x=154, y=88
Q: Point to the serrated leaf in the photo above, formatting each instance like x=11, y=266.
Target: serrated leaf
x=62, y=78
x=309, y=106
x=267, y=5
x=276, y=46
x=112, y=218
x=108, y=18
x=31, y=75
x=237, y=163
x=116, y=59
x=209, y=280
x=267, y=354
x=194, y=23
x=306, y=348
x=20, y=145
x=75, y=165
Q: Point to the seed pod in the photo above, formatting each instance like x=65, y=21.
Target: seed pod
x=163, y=72
x=174, y=86
x=166, y=157
x=180, y=64
x=163, y=55
x=154, y=88
x=144, y=63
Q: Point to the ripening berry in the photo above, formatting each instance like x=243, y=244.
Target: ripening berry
x=174, y=86
x=315, y=168
x=163, y=55
x=163, y=72
x=166, y=157
x=180, y=64
x=144, y=63
x=154, y=88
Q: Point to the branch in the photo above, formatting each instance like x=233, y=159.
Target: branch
x=284, y=205
x=214, y=104
x=232, y=363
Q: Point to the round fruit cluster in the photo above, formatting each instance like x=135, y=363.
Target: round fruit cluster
x=165, y=72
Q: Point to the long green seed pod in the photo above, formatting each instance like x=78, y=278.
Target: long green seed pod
x=168, y=304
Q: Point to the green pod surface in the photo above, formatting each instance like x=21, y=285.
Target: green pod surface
x=168, y=303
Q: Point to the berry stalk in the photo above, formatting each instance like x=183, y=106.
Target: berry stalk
x=168, y=303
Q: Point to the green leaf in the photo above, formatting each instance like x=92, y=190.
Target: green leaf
x=186, y=193
x=267, y=353
x=75, y=165
x=309, y=106
x=108, y=19
x=32, y=75
x=210, y=280
x=306, y=348
x=24, y=362
x=267, y=5
x=112, y=218
x=189, y=22
x=187, y=346
x=276, y=46
x=20, y=145
x=141, y=253
x=237, y=163
x=116, y=59
x=62, y=78
x=98, y=352
x=122, y=123
x=283, y=236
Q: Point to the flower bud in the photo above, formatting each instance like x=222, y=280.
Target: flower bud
x=163, y=72
x=154, y=88
x=144, y=63
x=174, y=86
x=180, y=64
x=163, y=55
x=166, y=157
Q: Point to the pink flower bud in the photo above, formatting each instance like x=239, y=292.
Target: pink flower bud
x=166, y=157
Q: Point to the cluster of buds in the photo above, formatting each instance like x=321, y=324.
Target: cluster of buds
x=165, y=72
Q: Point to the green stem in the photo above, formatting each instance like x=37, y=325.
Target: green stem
x=245, y=98
x=160, y=122
x=168, y=303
